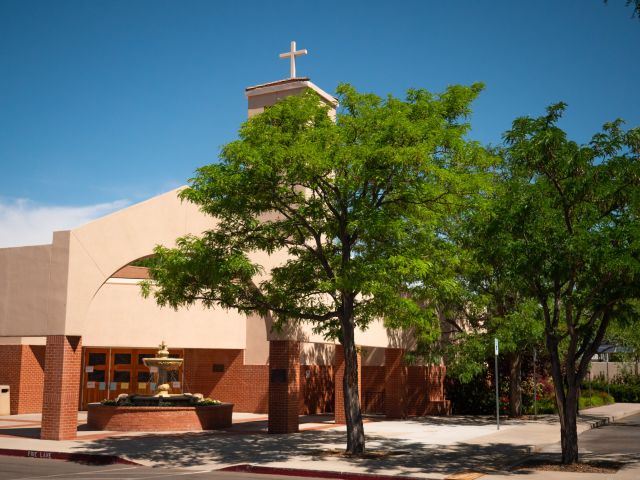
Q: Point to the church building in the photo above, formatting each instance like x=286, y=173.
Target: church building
x=74, y=328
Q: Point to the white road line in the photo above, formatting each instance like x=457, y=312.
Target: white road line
x=79, y=473
x=172, y=474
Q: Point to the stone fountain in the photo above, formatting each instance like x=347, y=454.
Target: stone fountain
x=164, y=365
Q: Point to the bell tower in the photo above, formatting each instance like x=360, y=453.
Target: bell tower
x=261, y=96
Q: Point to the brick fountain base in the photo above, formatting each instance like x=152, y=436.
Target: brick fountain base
x=159, y=419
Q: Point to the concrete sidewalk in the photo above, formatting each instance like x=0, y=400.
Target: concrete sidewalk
x=426, y=447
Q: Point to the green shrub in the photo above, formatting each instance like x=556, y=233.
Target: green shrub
x=476, y=397
x=597, y=399
x=208, y=401
x=624, y=388
x=625, y=393
x=547, y=404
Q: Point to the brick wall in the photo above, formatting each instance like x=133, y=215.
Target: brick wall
x=32, y=379
x=246, y=386
x=425, y=392
x=395, y=383
x=317, y=390
x=10, y=371
x=22, y=368
x=412, y=390
x=372, y=389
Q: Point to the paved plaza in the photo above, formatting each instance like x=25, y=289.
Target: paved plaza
x=424, y=447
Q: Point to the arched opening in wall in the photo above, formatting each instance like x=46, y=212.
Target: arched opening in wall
x=135, y=270
x=121, y=330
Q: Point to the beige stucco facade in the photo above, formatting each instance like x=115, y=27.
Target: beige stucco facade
x=66, y=288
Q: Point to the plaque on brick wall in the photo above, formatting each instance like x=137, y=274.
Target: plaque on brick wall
x=218, y=367
x=279, y=375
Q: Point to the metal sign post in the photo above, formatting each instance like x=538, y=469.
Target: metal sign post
x=497, y=389
x=535, y=386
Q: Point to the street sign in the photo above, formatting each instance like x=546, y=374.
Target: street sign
x=496, y=345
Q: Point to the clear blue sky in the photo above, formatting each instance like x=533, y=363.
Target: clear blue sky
x=116, y=101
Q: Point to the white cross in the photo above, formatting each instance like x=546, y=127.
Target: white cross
x=292, y=55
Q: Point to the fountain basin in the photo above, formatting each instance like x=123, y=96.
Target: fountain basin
x=166, y=363
x=159, y=419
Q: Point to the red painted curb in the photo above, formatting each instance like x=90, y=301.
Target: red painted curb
x=299, y=472
x=88, y=458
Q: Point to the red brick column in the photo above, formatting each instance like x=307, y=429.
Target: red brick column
x=284, y=386
x=340, y=416
x=62, y=363
x=395, y=383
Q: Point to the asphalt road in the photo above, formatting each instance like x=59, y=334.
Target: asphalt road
x=619, y=438
x=22, y=468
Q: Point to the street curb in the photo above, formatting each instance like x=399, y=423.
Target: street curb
x=88, y=458
x=299, y=472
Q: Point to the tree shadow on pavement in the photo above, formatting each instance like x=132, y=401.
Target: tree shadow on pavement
x=227, y=448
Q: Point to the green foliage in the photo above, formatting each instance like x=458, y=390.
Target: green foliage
x=568, y=227
x=205, y=402
x=358, y=206
x=597, y=398
x=624, y=388
x=148, y=262
x=475, y=396
x=625, y=393
x=625, y=332
x=467, y=354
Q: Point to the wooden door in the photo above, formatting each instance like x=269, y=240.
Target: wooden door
x=145, y=381
x=122, y=372
x=95, y=377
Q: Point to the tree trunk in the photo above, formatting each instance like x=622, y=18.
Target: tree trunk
x=566, y=401
x=352, y=411
x=515, y=385
x=569, y=427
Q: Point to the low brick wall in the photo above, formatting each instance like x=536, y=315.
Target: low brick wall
x=158, y=419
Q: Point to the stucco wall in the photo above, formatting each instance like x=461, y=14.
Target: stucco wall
x=119, y=317
x=25, y=290
x=61, y=289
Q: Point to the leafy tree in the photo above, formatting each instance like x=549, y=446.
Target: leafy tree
x=358, y=205
x=489, y=304
x=569, y=230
